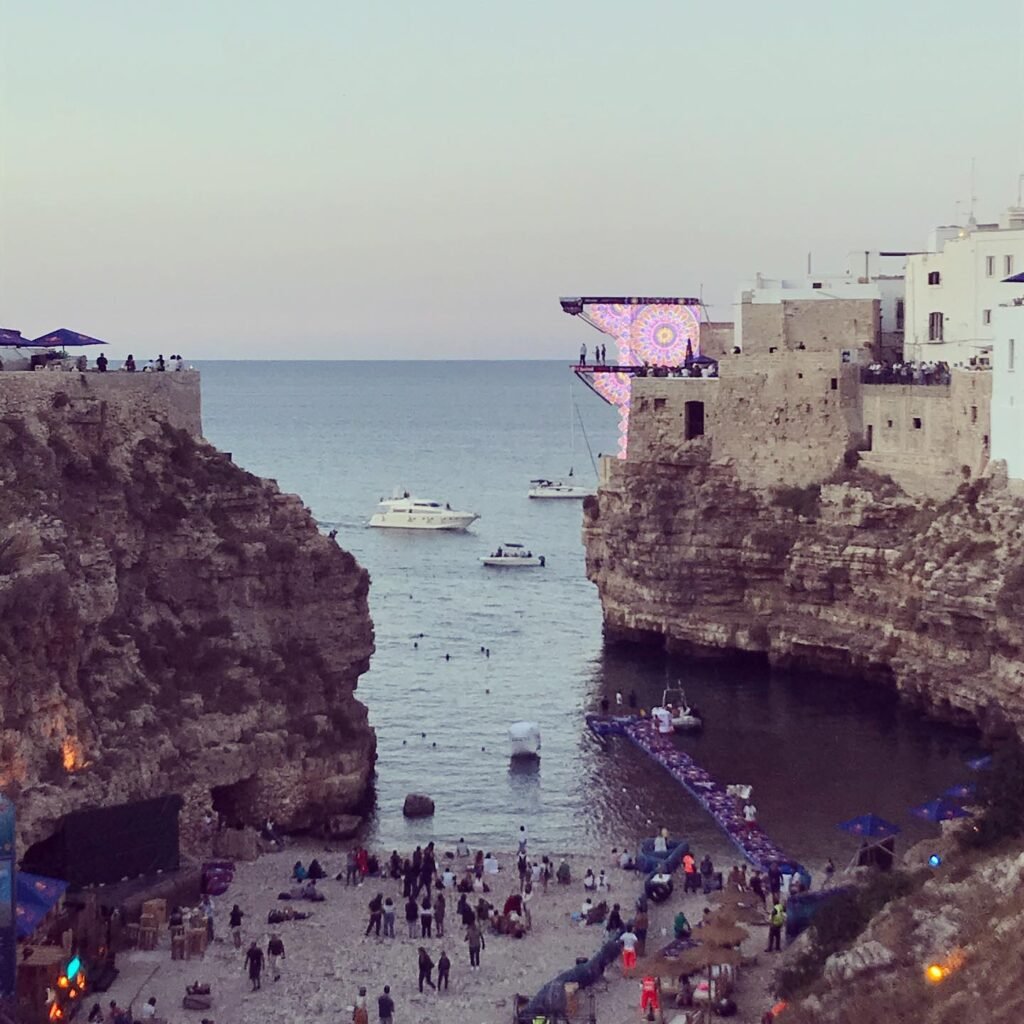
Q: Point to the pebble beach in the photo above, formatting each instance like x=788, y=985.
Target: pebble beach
x=328, y=956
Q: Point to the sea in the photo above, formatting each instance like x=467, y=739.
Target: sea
x=816, y=750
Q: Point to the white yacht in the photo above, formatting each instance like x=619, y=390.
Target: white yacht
x=513, y=556
x=558, y=489
x=408, y=513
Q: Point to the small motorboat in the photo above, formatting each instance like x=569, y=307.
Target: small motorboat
x=542, y=488
x=407, y=513
x=683, y=715
x=513, y=556
x=524, y=739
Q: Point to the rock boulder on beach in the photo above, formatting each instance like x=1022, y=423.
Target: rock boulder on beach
x=417, y=805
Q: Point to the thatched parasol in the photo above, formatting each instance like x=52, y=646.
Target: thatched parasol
x=702, y=958
x=736, y=915
x=720, y=935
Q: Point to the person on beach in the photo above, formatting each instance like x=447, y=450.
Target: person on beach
x=527, y=897
x=235, y=923
x=412, y=915
x=564, y=875
x=757, y=887
x=614, y=924
x=376, y=907
x=363, y=863
x=426, y=966
x=389, y=918
x=299, y=873
x=830, y=870
x=491, y=866
x=522, y=839
x=254, y=963
x=475, y=939
x=129, y=364
x=385, y=1006
x=775, y=924
x=681, y=926
x=395, y=866
x=409, y=876
x=448, y=878
x=360, y=1013
x=629, y=940
x=426, y=917
x=351, y=868
x=690, y=878
x=440, y=909
x=444, y=965
x=275, y=954
x=775, y=879
x=603, y=885
x=661, y=841
x=590, y=881
x=522, y=867
x=461, y=849
x=707, y=873
x=465, y=911
x=639, y=928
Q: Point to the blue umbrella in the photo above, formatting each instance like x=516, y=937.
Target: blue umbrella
x=980, y=764
x=870, y=825
x=940, y=809
x=962, y=790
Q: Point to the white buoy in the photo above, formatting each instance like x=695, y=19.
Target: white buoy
x=524, y=739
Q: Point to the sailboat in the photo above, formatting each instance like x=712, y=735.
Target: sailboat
x=566, y=487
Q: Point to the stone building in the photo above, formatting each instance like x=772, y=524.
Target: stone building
x=1008, y=382
x=782, y=415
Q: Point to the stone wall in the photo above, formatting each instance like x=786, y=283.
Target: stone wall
x=929, y=438
x=780, y=419
x=819, y=325
x=129, y=399
x=716, y=338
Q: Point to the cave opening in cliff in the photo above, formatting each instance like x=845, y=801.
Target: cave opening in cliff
x=694, y=420
x=237, y=802
x=106, y=844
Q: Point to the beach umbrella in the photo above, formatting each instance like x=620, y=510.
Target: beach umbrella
x=702, y=958
x=940, y=809
x=871, y=826
x=980, y=764
x=720, y=934
x=962, y=790
x=735, y=913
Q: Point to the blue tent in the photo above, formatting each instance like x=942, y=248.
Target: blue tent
x=940, y=809
x=64, y=338
x=870, y=826
x=35, y=897
x=962, y=790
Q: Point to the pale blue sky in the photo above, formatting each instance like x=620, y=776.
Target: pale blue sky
x=390, y=180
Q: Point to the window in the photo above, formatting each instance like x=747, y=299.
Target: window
x=659, y=403
x=935, y=327
x=888, y=423
x=990, y=266
x=934, y=277
x=917, y=422
x=816, y=284
x=1010, y=364
x=834, y=385
x=899, y=314
x=1007, y=265
x=974, y=414
x=986, y=316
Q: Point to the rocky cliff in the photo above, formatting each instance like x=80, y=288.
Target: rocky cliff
x=852, y=576
x=168, y=624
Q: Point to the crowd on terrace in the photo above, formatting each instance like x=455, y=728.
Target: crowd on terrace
x=906, y=373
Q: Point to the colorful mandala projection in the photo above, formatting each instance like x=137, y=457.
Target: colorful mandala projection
x=658, y=332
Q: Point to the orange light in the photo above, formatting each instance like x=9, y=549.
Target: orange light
x=73, y=994
x=935, y=973
x=72, y=754
x=62, y=981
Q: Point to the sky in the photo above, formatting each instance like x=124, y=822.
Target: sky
x=395, y=180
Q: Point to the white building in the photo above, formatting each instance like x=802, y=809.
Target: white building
x=954, y=289
x=862, y=279
x=1008, y=383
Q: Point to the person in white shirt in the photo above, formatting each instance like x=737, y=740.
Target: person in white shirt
x=660, y=844
x=602, y=881
x=148, y=1011
x=490, y=864
x=750, y=815
x=448, y=878
x=586, y=907
x=589, y=881
x=461, y=849
x=629, y=942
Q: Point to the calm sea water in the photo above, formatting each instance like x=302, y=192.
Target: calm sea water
x=342, y=434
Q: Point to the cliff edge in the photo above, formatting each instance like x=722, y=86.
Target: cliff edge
x=169, y=623
x=850, y=576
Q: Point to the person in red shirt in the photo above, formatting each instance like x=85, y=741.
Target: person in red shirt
x=692, y=879
x=649, y=995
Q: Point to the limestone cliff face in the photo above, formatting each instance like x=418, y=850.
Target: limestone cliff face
x=854, y=577
x=168, y=624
